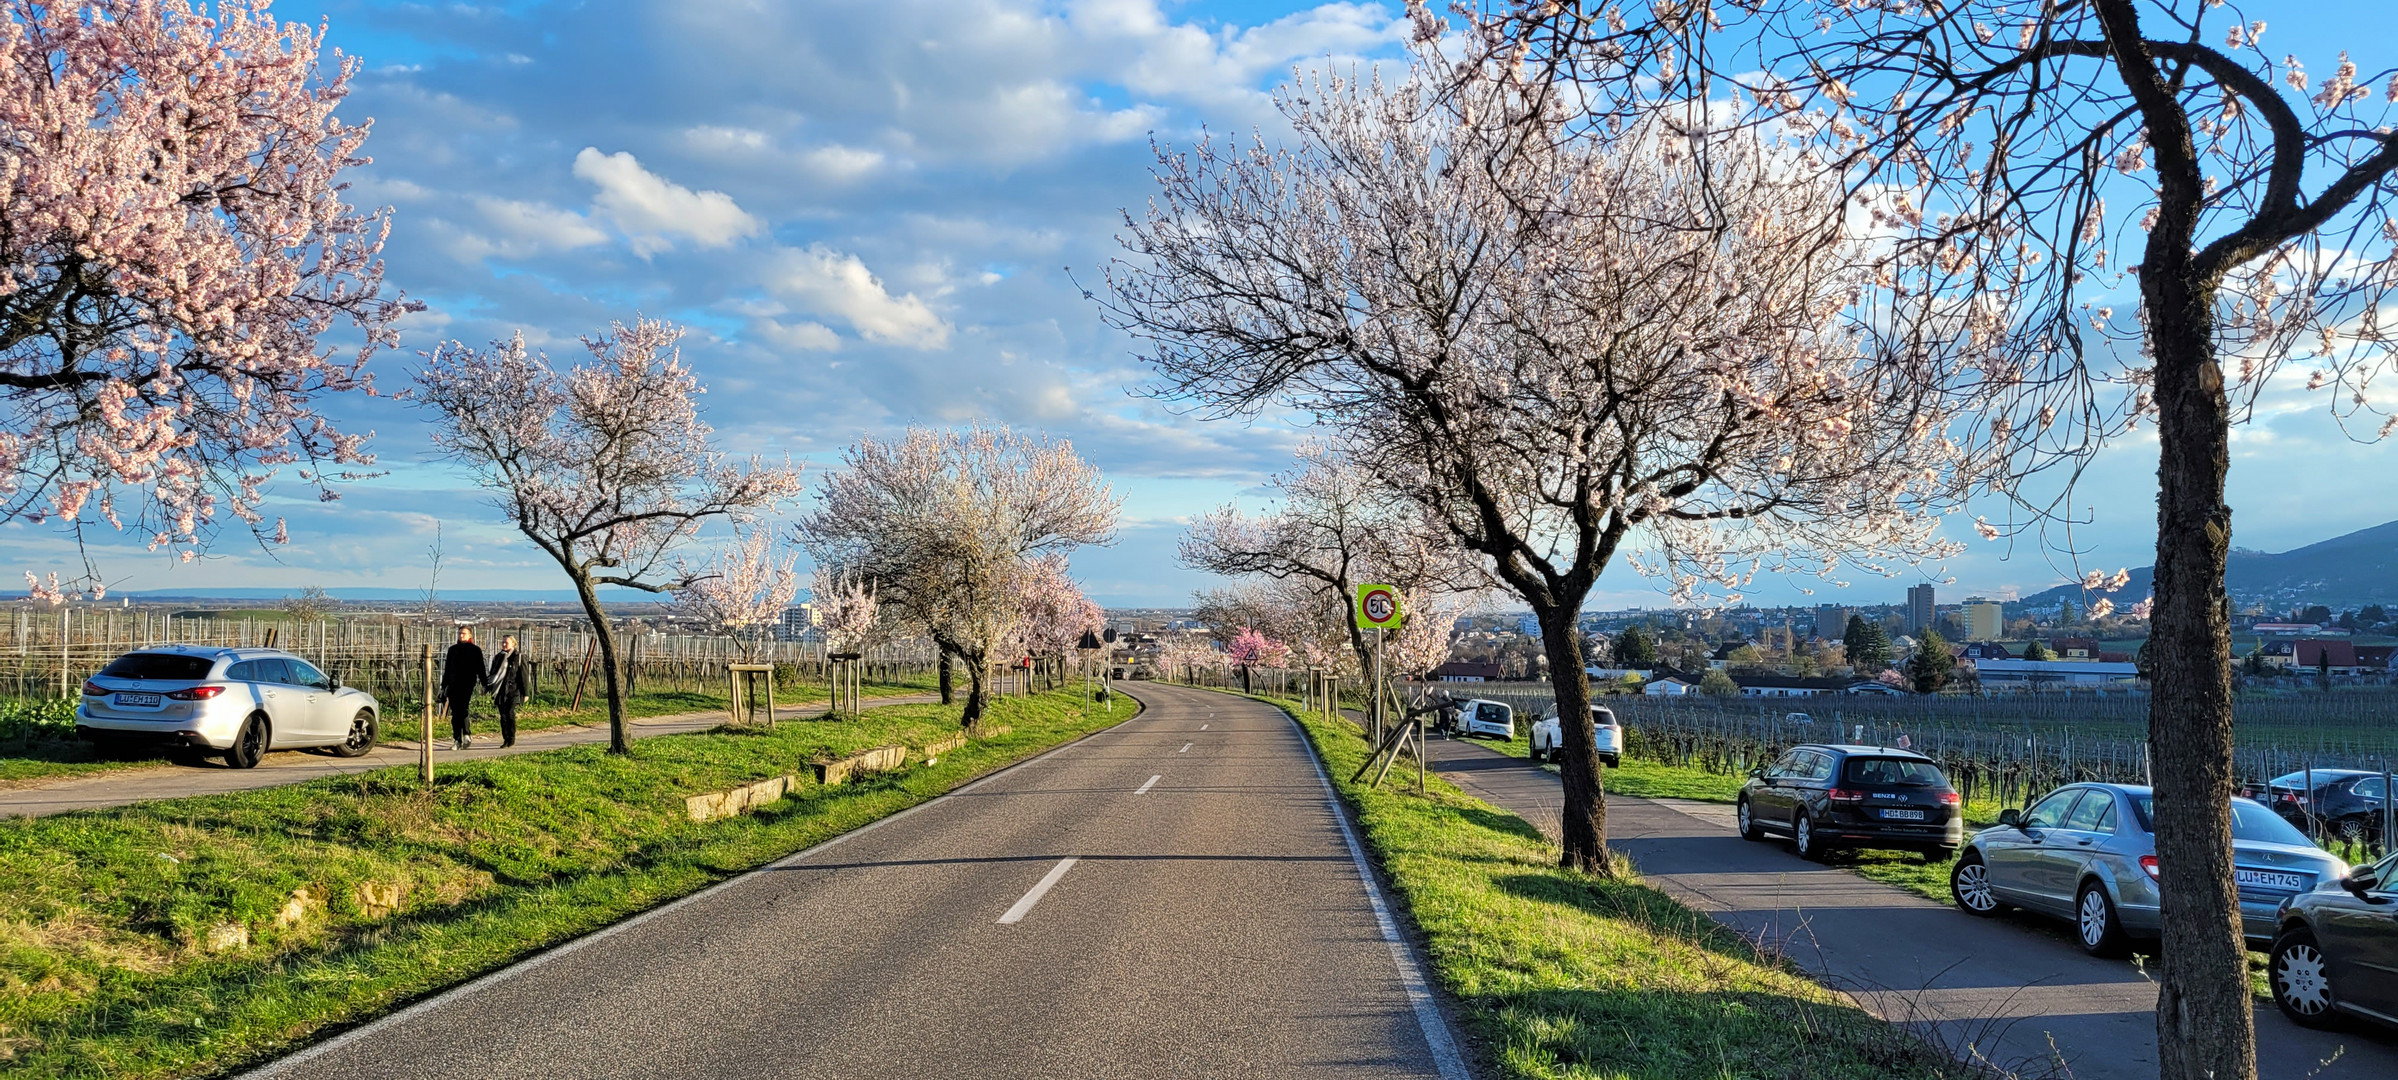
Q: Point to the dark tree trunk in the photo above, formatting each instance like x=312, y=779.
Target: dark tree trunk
x=1583, y=820
x=620, y=738
x=2205, y=1023
x=977, y=687
x=948, y=681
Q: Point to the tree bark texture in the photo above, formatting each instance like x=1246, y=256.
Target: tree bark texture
x=1582, y=824
x=2205, y=1021
x=620, y=738
x=948, y=681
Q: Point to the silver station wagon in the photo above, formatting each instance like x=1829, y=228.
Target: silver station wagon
x=240, y=703
x=2087, y=852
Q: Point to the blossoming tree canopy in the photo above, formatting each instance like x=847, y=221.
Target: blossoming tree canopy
x=176, y=246
x=742, y=590
x=605, y=468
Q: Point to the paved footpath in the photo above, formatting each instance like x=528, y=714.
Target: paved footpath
x=210, y=776
x=2016, y=991
x=1176, y=896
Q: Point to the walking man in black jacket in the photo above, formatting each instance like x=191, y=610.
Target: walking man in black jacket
x=461, y=672
x=510, y=685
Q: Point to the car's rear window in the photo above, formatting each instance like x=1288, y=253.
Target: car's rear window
x=1902, y=772
x=2249, y=821
x=163, y=667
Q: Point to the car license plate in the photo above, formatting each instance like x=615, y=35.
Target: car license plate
x=1902, y=815
x=145, y=700
x=2267, y=879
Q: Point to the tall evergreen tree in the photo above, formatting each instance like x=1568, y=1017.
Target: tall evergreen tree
x=1932, y=663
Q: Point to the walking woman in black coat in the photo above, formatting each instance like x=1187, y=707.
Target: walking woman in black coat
x=510, y=685
x=462, y=671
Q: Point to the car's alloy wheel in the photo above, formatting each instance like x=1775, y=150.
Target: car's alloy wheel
x=1802, y=834
x=2101, y=935
x=1748, y=823
x=249, y=745
x=2301, y=985
x=362, y=735
x=2352, y=830
x=1969, y=884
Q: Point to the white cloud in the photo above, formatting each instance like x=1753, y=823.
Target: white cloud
x=829, y=282
x=837, y=162
x=651, y=210
x=539, y=225
x=802, y=337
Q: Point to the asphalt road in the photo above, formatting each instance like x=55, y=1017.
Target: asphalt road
x=210, y=776
x=1173, y=897
x=2015, y=992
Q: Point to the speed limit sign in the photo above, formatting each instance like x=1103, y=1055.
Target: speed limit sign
x=1377, y=607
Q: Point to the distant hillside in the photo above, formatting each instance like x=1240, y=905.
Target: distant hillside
x=2342, y=572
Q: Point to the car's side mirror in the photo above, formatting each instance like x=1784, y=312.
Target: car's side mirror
x=2362, y=881
x=1757, y=773
x=2010, y=817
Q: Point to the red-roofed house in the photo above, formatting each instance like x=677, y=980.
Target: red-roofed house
x=2314, y=654
x=2377, y=657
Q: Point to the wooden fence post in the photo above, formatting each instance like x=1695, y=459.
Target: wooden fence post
x=424, y=753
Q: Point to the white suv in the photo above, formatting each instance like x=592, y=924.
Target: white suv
x=237, y=702
x=1607, y=736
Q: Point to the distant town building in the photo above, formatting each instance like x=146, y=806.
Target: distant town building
x=1985, y=620
x=797, y=620
x=2004, y=675
x=1920, y=608
x=1465, y=671
x=1831, y=621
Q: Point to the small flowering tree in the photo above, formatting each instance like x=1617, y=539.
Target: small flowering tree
x=1422, y=642
x=1250, y=649
x=846, y=610
x=949, y=526
x=176, y=246
x=605, y=468
x=741, y=592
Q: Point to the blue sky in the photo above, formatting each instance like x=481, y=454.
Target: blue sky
x=866, y=214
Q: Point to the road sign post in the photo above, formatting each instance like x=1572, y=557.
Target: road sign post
x=1377, y=609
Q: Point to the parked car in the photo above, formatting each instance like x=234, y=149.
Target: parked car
x=1607, y=735
x=2337, y=952
x=240, y=703
x=1830, y=796
x=2087, y=852
x=1799, y=718
x=1493, y=718
x=2343, y=802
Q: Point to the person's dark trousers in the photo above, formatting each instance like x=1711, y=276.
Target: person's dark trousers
x=459, y=707
x=507, y=707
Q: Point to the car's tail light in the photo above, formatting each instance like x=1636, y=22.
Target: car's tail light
x=1951, y=798
x=93, y=689
x=197, y=693
x=1844, y=795
x=2148, y=863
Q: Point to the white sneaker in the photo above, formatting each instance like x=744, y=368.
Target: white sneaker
x=466, y=744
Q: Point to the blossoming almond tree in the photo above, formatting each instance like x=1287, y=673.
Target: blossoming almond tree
x=1332, y=529
x=741, y=592
x=1250, y=649
x=605, y=468
x=948, y=526
x=1559, y=351
x=2122, y=212
x=1053, y=612
x=175, y=246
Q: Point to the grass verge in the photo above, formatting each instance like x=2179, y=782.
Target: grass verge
x=190, y=936
x=38, y=741
x=1566, y=975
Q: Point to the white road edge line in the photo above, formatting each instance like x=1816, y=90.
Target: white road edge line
x=1144, y=788
x=285, y=1066
x=1186, y=748
x=1411, y=975
x=1024, y=906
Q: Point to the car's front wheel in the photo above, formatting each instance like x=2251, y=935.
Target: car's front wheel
x=1969, y=886
x=249, y=744
x=1748, y=823
x=362, y=735
x=2100, y=932
x=2301, y=980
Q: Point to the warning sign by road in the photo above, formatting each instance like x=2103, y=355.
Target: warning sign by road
x=1377, y=607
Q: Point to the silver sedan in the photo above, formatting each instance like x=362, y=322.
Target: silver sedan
x=2087, y=853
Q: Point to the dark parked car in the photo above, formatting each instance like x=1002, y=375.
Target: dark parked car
x=2337, y=952
x=1826, y=797
x=2345, y=803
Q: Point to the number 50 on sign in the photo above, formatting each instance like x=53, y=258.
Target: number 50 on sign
x=1377, y=607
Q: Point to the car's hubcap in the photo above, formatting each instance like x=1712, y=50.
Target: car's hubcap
x=358, y=731
x=1745, y=825
x=1973, y=886
x=2299, y=979
x=1806, y=835
x=2094, y=917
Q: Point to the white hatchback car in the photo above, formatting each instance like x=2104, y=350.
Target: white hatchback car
x=240, y=703
x=1607, y=736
